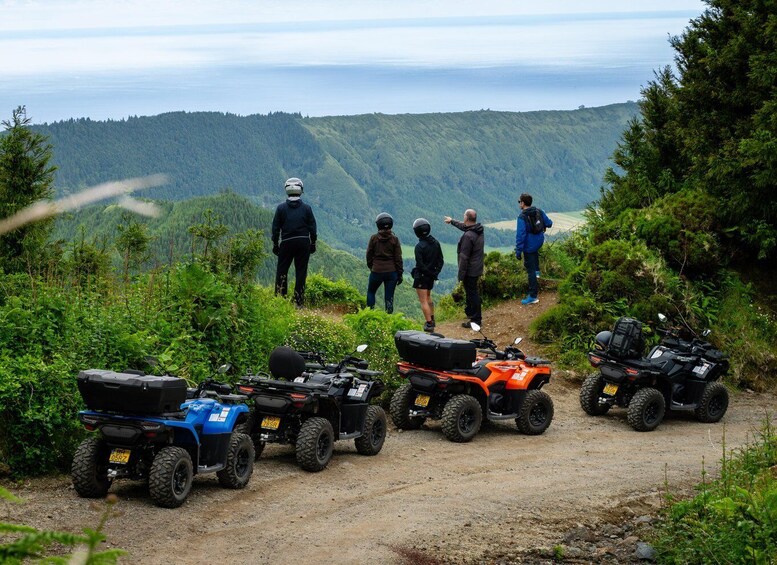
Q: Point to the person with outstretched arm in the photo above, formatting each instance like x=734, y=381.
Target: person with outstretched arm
x=470, y=255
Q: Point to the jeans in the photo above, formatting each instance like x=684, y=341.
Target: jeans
x=298, y=251
x=472, y=299
x=389, y=280
x=532, y=263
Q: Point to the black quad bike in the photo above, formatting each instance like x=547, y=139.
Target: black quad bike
x=145, y=428
x=678, y=374
x=311, y=405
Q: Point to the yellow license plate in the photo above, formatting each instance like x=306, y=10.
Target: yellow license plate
x=610, y=389
x=271, y=422
x=422, y=400
x=120, y=456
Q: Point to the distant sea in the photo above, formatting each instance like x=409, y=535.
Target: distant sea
x=322, y=90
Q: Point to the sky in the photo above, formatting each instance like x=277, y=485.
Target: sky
x=109, y=59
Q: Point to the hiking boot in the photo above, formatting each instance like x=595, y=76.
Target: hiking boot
x=466, y=324
x=428, y=327
x=530, y=300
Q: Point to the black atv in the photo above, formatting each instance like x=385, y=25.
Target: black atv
x=312, y=404
x=681, y=374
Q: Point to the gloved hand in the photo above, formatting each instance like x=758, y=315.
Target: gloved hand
x=276, y=249
x=518, y=255
x=399, y=279
x=312, y=248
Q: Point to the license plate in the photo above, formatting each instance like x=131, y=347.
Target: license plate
x=120, y=456
x=610, y=389
x=271, y=422
x=422, y=400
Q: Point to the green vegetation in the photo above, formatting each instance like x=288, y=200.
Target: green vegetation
x=355, y=167
x=688, y=206
x=733, y=519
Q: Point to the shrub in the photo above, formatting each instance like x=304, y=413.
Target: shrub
x=320, y=291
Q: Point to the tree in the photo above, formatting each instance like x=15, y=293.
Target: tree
x=25, y=177
x=132, y=243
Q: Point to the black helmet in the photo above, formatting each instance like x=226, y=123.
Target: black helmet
x=422, y=227
x=384, y=221
x=603, y=340
x=293, y=187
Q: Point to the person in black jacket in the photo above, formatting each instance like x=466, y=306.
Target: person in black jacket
x=428, y=264
x=470, y=255
x=293, y=239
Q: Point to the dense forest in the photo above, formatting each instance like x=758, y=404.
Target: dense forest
x=355, y=167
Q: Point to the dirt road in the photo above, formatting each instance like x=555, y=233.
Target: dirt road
x=421, y=496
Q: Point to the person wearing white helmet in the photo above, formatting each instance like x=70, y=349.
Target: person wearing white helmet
x=384, y=259
x=294, y=237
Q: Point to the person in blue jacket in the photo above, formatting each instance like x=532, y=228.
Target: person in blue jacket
x=529, y=237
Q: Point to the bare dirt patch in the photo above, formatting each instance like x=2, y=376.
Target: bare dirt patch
x=422, y=499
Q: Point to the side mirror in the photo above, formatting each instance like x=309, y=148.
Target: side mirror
x=517, y=340
x=705, y=333
x=224, y=368
x=661, y=318
x=361, y=348
x=474, y=326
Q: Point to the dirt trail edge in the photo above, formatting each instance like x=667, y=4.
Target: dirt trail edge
x=452, y=502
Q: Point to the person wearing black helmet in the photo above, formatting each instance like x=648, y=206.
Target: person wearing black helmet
x=293, y=239
x=384, y=259
x=428, y=264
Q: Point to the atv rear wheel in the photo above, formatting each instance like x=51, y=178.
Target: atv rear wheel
x=171, y=476
x=90, y=468
x=248, y=428
x=315, y=444
x=374, y=434
x=461, y=418
x=713, y=403
x=590, y=392
x=646, y=409
x=240, y=462
x=400, y=408
x=535, y=413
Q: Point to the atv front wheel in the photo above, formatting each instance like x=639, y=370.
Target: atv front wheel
x=535, y=413
x=90, y=468
x=371, y=440
x=461, y=418
x=646, y=409
x=590, y=393
x=240, y=462
x=170, y=478
x=315, y=444
x=400, y=408
x=713, y=403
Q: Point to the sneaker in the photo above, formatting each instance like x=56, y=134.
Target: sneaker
x=538, y=274
x=530, y=300
x=466, y=324
x=428, y=327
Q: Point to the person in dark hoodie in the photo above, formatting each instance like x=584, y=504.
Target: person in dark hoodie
x=293, y=239
x=384, y=258
x=470, y=255
x=529, y=237
x=428, y=264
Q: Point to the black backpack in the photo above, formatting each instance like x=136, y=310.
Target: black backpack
x=627, y=341
x=534, y=222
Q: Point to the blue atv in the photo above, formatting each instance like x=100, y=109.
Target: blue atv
x=146, y=429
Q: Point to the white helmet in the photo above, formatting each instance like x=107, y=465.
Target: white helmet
x=293, y=187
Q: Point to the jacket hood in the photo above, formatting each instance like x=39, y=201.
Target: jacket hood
x=477, y=228
x=385, y=235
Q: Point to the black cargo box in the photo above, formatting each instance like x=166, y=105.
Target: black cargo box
x=136, y=394
x=627, y=341
x=434, y=351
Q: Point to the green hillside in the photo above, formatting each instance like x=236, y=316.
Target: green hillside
x=354, y=167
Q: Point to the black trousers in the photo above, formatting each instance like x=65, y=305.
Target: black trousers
x=298, y=251
x=472, y=298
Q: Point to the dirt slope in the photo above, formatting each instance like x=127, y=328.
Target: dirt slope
x=501, y=493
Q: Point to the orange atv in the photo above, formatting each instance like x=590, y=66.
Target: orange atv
x=449, y=380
